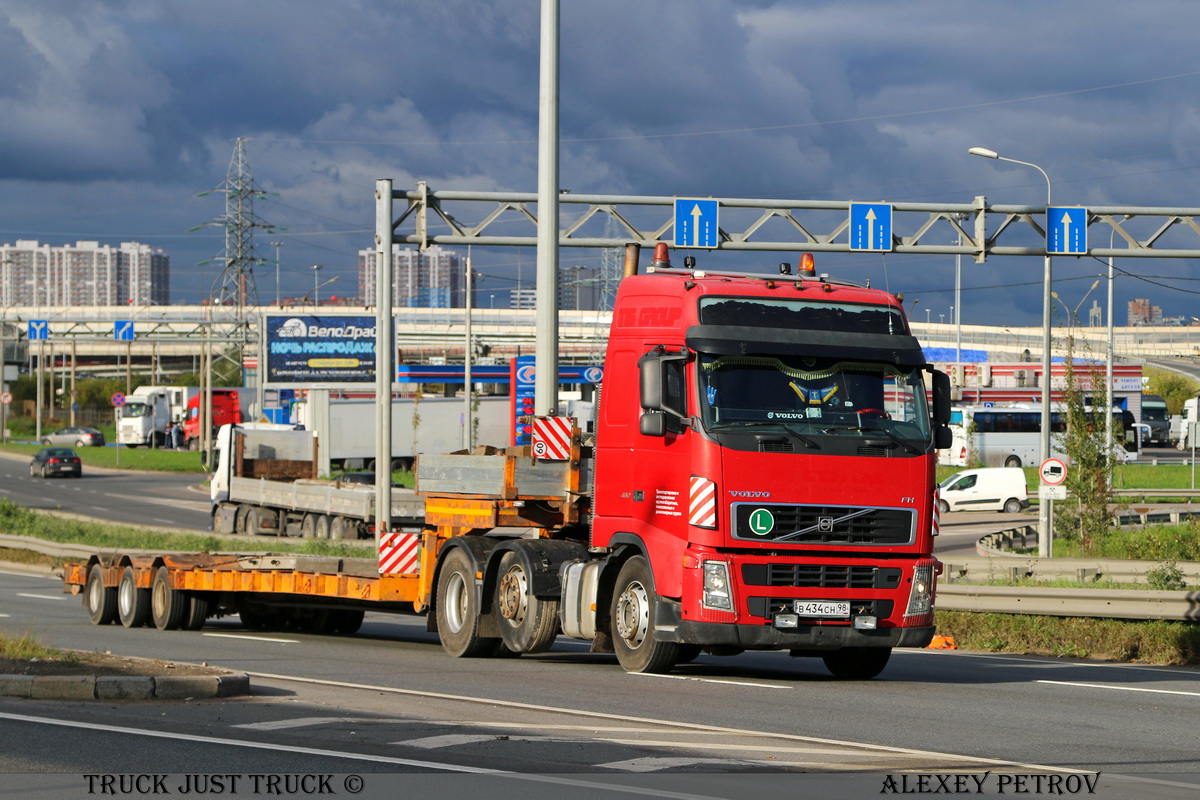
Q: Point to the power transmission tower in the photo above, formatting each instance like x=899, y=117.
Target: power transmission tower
x=234, y=292
x=612, y=265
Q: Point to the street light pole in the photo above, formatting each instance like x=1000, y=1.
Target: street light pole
x=1045, y=507
x=316, y=284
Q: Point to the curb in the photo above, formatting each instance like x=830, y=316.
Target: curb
x=97, y=687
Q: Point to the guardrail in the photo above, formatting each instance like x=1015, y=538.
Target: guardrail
x=1095, y=603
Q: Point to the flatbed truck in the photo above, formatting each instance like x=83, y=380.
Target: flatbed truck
x=760, y=477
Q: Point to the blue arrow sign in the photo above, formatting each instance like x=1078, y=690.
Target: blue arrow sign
x=871, y=227
x=1066, y=231
x=696, y=223
x=39, y=329
x=123, y=330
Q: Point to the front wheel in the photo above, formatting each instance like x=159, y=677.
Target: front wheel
x=857, y=663
x=633, y=621
x=458, y=610
x=943, y=506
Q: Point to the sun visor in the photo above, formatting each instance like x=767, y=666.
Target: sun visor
x=738, y=340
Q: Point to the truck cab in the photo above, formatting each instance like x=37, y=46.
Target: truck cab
x=765, y=455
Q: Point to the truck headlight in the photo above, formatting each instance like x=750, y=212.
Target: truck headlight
x=716, y=586
x=920, y=598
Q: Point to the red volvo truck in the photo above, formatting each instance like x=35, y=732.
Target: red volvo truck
x=760, y=476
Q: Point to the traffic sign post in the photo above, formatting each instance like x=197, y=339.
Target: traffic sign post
x=1053, y=474
x=696, y=222
x=870, y=227
x=1066, y=231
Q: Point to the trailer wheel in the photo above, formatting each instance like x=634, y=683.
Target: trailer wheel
x=322, y=526
x=343, y=528
x=458, y=610
x=857, y=663
x=167, y=604
x=100, y=600
x=528, y=624
x=632, y=614
x=308, y=526
x=133, y=604
x=196, y=613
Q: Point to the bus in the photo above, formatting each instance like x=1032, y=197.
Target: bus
x=1010, y=435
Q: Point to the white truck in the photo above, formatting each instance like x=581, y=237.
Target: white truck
x=147, y=411
x=265, y=483
x=1182, y=426
x=345, y=427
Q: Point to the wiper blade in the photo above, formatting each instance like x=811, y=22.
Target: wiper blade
x=808, y=442
x=890, y=435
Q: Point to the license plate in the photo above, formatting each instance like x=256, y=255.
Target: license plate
x=823, y=608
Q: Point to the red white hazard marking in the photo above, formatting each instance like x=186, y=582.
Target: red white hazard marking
x=399, y=553
x=552, y=438
x=702, y=503
x=937, y=510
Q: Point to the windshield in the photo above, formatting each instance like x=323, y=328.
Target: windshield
x=1154, y=412
x=807, y=397
x=130, y=410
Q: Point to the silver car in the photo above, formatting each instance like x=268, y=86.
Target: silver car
x=78, y=436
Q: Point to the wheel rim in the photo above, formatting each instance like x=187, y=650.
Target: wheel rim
x=125, y=597
x=512, y=596
x=633, y=615
x=158, y=598
x=95, y=596
x=456, y=602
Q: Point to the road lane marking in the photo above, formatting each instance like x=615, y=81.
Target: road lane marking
x=687, y=726
x=1121, y=688
x=656, y=763
x=711, y=680
x=456, y=739
x=40, y=596
x=314, y=751
x=304, y=722
x=251, y=637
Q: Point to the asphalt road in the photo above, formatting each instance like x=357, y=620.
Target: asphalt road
x=164, y=499
x=390, y=692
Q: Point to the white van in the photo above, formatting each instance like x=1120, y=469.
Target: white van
x=990, y=489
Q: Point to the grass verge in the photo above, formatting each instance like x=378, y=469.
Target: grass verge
x=1150, y=641
x=27, y=646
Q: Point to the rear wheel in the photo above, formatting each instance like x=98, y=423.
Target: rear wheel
x=33, y=473
x=196, y=613
x=633, y=621
x=1012, y=461
x=133, y=604
x=167, y=604
x=857, y=663
x=458, y=610
x=1012, y=506
x=528, y=624
x=101, y=600
x=347, y=620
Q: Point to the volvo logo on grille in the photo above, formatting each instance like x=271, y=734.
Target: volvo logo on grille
x=824, y=524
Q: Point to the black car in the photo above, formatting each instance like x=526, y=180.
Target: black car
x=55, y=461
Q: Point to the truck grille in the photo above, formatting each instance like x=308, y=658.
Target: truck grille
x=821, y=576
x=822, y=524
x=768, y=607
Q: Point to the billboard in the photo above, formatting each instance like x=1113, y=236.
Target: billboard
x=325, y=350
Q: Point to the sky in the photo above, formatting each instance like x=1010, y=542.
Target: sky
x=116, y=115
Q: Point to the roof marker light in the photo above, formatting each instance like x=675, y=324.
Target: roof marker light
x=807, y=266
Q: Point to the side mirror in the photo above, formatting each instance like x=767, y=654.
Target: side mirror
x=942, y=438
x=653, y=423
x=652, y=382
x=941, y=398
